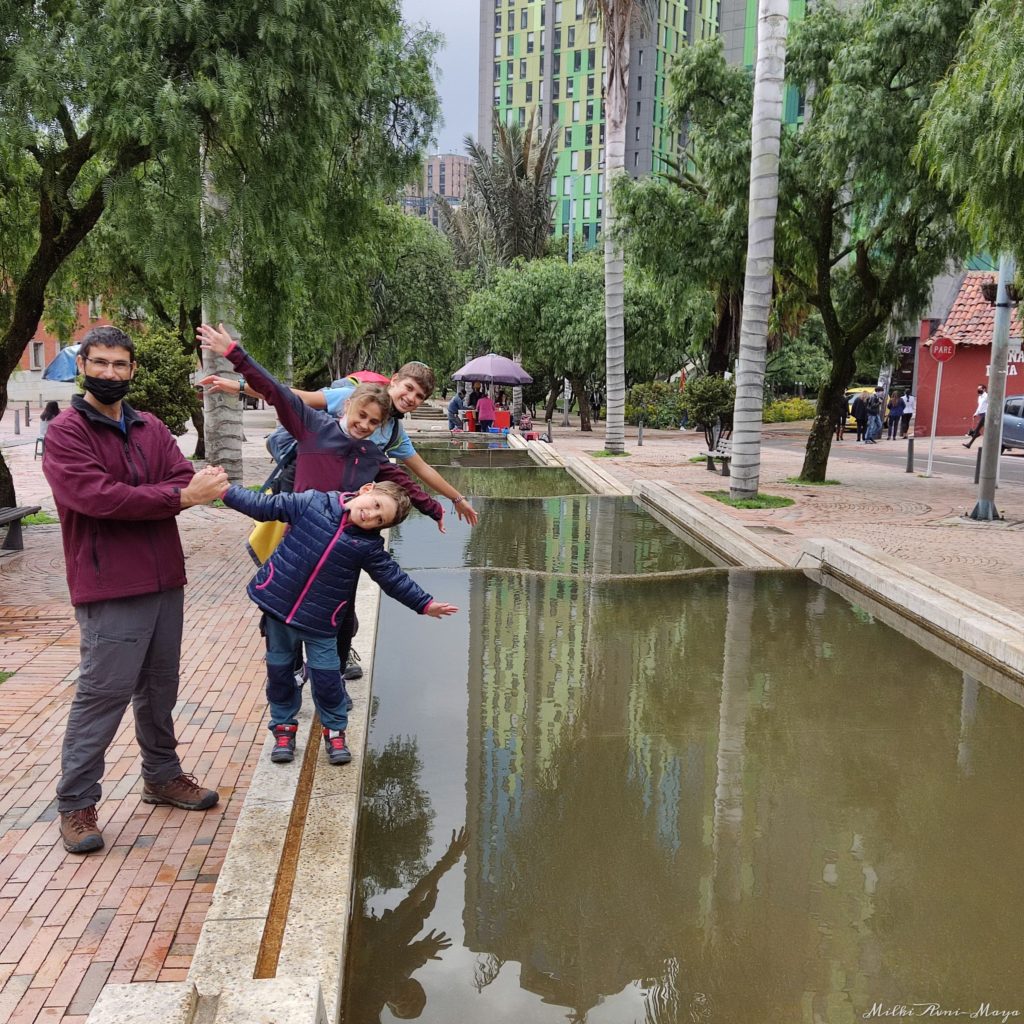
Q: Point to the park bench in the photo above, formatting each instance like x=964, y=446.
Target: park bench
x=722, y=453
x=11, y=518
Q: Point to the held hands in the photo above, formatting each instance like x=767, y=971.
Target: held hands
x=216, y=339
x=438, y=609
x=209, y=483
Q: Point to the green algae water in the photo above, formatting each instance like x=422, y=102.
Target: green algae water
x=624, y=786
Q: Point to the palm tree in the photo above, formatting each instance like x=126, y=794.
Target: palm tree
x=617, y=18
x=765, y=133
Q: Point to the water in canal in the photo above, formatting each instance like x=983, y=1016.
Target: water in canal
x=623, y=786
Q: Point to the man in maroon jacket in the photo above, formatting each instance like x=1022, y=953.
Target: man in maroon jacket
x=119, y=479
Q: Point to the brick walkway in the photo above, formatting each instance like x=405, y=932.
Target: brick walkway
x=69, y=924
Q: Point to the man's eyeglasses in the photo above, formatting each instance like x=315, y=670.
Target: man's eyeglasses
x=119, y=366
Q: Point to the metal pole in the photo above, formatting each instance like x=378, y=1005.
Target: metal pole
x=28, y=413
x=985, y=509
x=640, y=434
x=910, y=451
x=17, y=421
x=913, y=390
x=565, y=402
x=935, y=416
x=977, y=465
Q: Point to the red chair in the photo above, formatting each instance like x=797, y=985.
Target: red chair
x=469, y=419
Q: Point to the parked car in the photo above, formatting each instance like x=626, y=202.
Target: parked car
x=1013, y=422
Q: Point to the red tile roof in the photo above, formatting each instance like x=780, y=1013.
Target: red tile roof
x=971, y=319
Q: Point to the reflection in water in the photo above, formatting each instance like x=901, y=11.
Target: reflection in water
x=385, y=951
x=705, y=798
x=479, y=458
x=516, y=482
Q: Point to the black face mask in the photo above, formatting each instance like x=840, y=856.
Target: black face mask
x=107, y=392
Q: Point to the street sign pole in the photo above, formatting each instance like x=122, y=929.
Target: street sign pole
x=943, y=349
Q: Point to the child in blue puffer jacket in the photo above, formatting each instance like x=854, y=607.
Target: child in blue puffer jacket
x=305, y=587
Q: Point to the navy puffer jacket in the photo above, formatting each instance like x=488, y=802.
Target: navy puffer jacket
x=311, y=577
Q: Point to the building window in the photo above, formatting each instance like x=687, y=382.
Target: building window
x=522, y=117
x=497, y=46
x=558, y=12
x=579, y=8
x=567, y=138
x=587, y=179
x=570, y=36
x=600, y=190
x=524, y=16
x=577, y=60
x=522, y=68
x=36, y=362
x=556, y=39
x=542, y=59
x=600, y=131
x=508, y=68
x=508, y=93
x=639, y=83
x=586, y=209
x=636, y=159
x=591, y=58
x=574, y=160
x=510, y=21
x=588, y=135
x=529, y=42
x=640, y=59
x=566, y=184
x=540, y=90
x=590, y=110
x=637, y=108
x=556, y=86
x=510, y=49
x=497, y=71
x=529, y=93
x=592, y=32
x=588, y=157
x=576, y=110
x=569, y=88
x=497, y=95
x=637, y=131
x=590, y=85
x=543, y=15
x=554, y=186
x=497, y=22
x=556, y=63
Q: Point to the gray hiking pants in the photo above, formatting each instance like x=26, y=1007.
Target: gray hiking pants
x=131, y=649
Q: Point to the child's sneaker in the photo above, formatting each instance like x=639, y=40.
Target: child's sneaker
x=337, y=749
x=284, y=743
x=353, y=670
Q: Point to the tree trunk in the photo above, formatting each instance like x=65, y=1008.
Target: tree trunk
x=578, y=385
x=553, y=391
x=724, y=334
x=616, y=33
x=819, y=443
x=766, y=129
x=188, y=324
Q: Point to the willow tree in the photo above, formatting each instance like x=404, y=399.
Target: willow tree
x=617, y=17
x=287, y=101
x=765, y=132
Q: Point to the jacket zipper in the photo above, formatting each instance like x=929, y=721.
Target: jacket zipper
x=318, y=567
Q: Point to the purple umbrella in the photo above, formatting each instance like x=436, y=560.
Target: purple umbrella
x=494, y=370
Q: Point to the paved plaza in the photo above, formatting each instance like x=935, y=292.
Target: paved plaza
x=70, y=924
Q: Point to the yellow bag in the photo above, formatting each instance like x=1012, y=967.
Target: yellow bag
x=264, y=539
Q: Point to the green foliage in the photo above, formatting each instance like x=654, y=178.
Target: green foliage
x=706, y=400
x=789, y=410
x=40, y=519
x=659, y=404
x=161, y=384
x=761, y=501
x=971, y=136
x=4, y=676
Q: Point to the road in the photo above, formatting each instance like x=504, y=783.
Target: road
x=894, y=453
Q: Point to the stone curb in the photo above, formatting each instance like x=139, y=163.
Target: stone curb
x=723, y=541
x=597, y=478
x=989, y=632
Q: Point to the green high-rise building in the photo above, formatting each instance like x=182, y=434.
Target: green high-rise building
x=547, y=55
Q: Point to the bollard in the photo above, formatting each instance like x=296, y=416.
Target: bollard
x=28, y=413
x=910, y=453
x=17, y=422
x=640, y=434
x=977, y=465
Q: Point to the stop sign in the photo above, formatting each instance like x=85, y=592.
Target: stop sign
x=943, y=349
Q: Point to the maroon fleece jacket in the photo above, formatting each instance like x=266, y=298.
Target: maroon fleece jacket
x=117, y=493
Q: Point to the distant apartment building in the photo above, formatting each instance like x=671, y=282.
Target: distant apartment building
x=444, y=174
x=549, y=55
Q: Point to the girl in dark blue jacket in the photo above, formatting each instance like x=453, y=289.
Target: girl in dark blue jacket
x=306, y=585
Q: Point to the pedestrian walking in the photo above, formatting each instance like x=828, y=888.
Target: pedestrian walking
x=909, y=408
x=979, y=416
x=842, y=412
x=896, y=407
x=874, y=410
x=859, y=411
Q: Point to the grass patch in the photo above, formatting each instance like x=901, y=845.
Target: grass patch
x=698, y=458
x=761, y=501
x=812, y=483
x=4, y=676
x=40, y=519
x=609, y=455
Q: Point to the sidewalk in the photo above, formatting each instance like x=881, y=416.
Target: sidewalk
x=70, y=924
x=906, y=515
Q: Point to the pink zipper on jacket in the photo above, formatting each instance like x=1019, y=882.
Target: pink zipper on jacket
x=319, y=565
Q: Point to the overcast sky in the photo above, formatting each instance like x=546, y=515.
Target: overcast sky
x=459, y=22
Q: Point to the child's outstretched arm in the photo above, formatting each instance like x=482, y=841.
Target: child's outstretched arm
x=420, y=499
x=432, y=478
x=285, y=508
x=388, y=575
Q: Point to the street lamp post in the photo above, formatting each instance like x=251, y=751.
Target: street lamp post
x=985, y=509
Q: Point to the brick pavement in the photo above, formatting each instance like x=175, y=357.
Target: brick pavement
x=71, y=924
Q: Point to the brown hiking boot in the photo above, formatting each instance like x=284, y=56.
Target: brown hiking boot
x=79, y=831
x=184, y=792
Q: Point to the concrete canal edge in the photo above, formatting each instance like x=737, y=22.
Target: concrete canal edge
x=274, y=937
